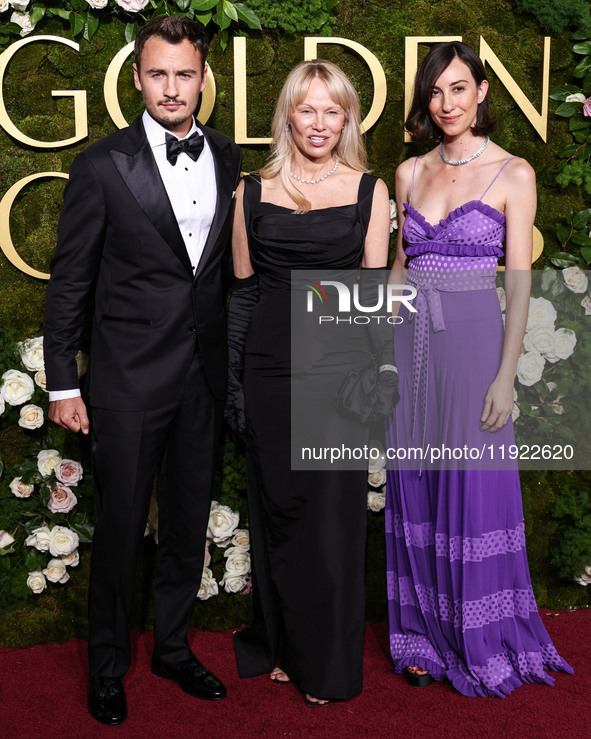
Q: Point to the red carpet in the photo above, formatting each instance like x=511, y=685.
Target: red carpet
x=43, y=696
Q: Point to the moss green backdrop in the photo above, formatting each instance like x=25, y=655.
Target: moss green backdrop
x=380, y=26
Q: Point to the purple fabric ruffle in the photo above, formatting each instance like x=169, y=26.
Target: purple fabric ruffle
x=472, y=230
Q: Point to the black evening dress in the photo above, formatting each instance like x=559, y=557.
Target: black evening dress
x=308, y=528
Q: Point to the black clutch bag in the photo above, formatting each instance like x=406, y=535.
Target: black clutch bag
x=368, y=394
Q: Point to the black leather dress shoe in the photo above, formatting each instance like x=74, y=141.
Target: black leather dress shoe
x=192, y=677
x=106, y=702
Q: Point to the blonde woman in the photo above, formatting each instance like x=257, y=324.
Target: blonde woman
x=313, y=206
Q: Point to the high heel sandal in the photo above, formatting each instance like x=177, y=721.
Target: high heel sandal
x=418, y=681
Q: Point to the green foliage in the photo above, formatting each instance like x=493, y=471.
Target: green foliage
x=380, y=26
x=555, y=15
x=573, y=234
x=305, y=16
x=573, y=509
x=575, y=167
x=83, y=20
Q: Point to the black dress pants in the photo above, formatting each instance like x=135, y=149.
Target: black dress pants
x=128, y=448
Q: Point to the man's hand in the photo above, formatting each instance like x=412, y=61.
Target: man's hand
x=70, y=413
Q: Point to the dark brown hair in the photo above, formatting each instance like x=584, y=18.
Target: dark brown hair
x=419, y=122
x=173, y=29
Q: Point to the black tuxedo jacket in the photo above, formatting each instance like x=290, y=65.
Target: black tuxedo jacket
x=119, y=243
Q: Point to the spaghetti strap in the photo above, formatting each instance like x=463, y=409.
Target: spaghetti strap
x=412, y=182
x=497, y=175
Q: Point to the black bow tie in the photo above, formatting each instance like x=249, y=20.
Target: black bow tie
x=193, y=146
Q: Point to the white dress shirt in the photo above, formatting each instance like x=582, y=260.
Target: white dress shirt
x=192, y=203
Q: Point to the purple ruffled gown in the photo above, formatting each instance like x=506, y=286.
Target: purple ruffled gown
x=459, y=592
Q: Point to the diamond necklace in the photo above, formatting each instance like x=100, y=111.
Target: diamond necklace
x=463, y=161
x=320, y=179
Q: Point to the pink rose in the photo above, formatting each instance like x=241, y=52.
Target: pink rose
x=68, y=472
x=248, y=587
x=587, y=108
x=62, y=499
x=207, y=558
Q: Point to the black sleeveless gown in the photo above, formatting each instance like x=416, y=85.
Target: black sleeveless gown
x=308, y=528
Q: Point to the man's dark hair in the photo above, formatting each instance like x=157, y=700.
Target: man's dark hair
x=173, y=29
x=419, y=122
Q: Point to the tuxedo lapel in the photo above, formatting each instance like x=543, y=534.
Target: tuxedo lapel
x=137, y=166
x=224, y=187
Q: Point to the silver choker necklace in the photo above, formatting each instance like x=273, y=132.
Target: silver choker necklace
x=463, y=161
x=320, y=179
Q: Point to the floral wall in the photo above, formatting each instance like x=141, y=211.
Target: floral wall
x=557, y=504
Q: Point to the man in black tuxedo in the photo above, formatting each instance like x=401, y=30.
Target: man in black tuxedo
x=144, y=226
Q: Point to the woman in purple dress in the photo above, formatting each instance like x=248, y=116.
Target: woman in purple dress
x=461, y=604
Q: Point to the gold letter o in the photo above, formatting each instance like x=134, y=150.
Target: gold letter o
x=5, y=207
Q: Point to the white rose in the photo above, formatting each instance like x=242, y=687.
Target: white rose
x=132, y=6
x=551, y=386
x=5, y=539
x=98, y=4
x=208, y=585
x=502, y=297
x=2, y=404
x=393, y=216
x=19, y=4
x=39, y=538
x=222, y=522
x=17, y=387
x=241, y=539
x=68, y=471
x=377, y=457
x=4, y=5
x=377, y=479
x=375, y=501
x=565, y=340
x=37, y=582
x=237, y=561
x=41, y=379
x=530, y=367
x=72, y=559
x=575, y=279
x=19, y=488
x=62, y=499
x=557, y=406
x=31, y=417
x=585, y=577
x=81, y=364
x=586, y=303
x=575, y=97
x=541, y=312
x=233, y=583
x=56, y=571
x=31, y=352
x=62, y=541
x=24, y=21
x=47, y=459
x=540, y=339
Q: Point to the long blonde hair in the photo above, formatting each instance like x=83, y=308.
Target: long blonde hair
x=350, y=149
